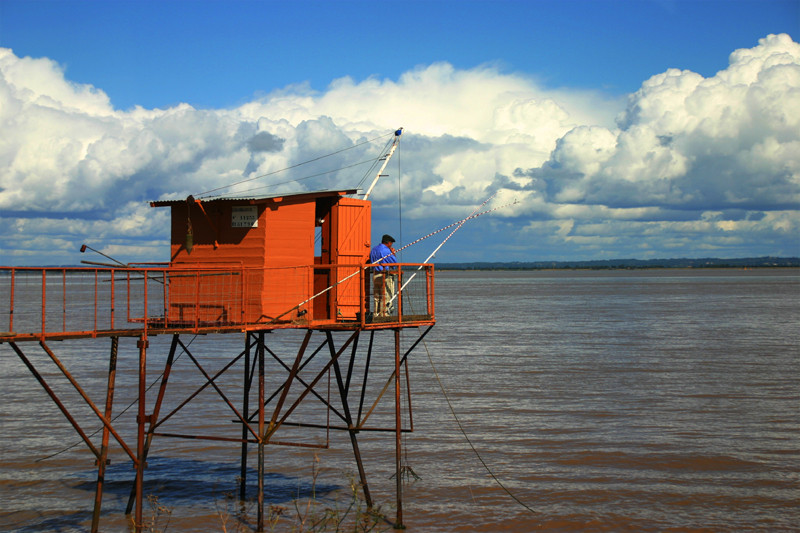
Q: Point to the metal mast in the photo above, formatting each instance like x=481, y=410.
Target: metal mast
x=386, y=159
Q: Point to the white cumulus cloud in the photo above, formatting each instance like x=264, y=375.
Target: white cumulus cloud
x=711, y=161
x=730, y=141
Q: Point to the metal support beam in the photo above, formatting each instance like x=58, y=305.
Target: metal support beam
x=86, y=398
x=300, y=380
x=366, y=377
x=351, y=428
x=248, y=382
x=156, y=410
x=141, y=419
x=391, y=378
x=261, y=431
x=55, y=399
x=102, y=460
x=259, y=427
x=210, y=382
x=309, y=388
x=288, y=383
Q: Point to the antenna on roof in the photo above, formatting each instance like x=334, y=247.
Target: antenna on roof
x=386, y=159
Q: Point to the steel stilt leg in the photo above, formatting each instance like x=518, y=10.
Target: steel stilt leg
x=351, y=427
x=141, y=419
x=248, y=381
x=101, y=461
x=261, y=432
x=161, y=392
x=398, y=431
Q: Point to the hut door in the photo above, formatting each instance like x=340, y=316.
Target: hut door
x=351, y=245
x=322, y=260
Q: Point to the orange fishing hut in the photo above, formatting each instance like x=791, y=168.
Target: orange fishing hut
x=300, y=258
x=249, y=265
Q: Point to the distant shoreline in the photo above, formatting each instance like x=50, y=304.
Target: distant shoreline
x=628, y=264
x=605, y=264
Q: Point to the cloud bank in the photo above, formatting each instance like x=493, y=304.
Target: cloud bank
x=687, y=166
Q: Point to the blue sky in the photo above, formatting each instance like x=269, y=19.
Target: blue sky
x=219, y=54
x=569, y=107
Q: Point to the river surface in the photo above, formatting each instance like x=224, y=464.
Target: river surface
x=652, y=400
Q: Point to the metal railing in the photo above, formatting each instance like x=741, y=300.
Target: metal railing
x=38, y=302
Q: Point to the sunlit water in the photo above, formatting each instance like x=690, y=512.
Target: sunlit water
x=606, y=401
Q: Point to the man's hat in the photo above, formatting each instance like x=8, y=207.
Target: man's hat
x=387, y=238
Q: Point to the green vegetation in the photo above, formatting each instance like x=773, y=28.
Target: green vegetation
x=308, y=515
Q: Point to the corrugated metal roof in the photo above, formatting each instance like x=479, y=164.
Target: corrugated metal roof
x=259, y=199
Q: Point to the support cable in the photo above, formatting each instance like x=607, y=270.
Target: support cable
x=370, y=171
x=373, y=161
x=292, y=166
x=466, y=437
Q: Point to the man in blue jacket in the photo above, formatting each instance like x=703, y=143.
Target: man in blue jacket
x=384, y=281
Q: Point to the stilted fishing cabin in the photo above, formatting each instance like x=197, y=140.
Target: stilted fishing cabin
x=281, y=261
x=237, y=265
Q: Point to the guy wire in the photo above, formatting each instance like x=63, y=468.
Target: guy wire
x=463, y=432
x=373, y=161
x=292, y=166
x=369, y=172
x=474, y=214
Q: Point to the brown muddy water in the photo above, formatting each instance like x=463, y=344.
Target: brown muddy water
x=661, y=400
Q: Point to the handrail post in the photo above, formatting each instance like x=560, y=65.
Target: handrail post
x=165, y=300
x=112, y=298
x=11, y=303
x=242, y=292
x=196, y=300
x=44, y=301
x=362, y=295
x=399, y=283
x=431, y=285
x=96, y=288
x=64, y=299
x=146, y=310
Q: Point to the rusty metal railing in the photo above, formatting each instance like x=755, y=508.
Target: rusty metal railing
x=37, y=303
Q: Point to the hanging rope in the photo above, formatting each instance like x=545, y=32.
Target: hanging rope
x=466, y=437
x=410, y=472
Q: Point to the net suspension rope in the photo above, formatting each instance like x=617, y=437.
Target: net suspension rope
x=406, y=469
x=475, y=212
